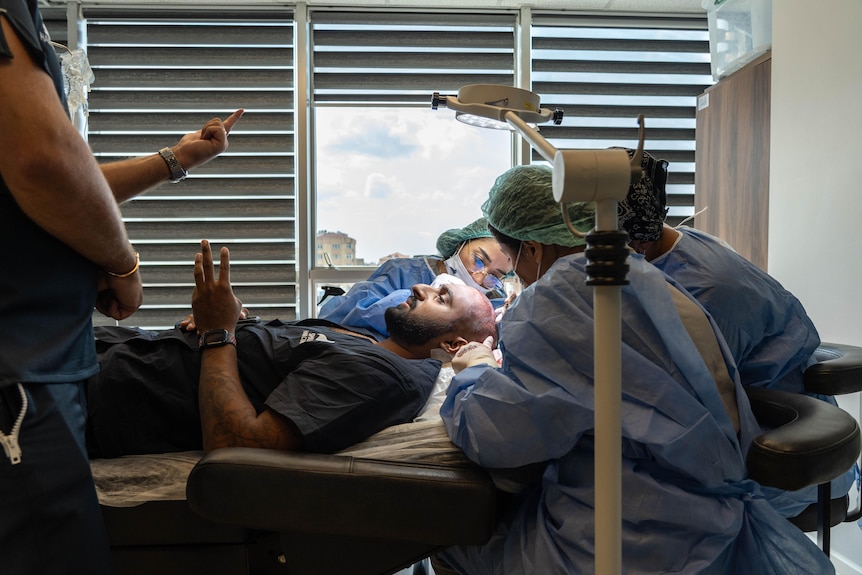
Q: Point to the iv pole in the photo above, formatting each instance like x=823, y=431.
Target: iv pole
x=603, y=177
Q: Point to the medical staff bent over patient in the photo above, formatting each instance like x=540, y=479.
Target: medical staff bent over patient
x=470, y=254
x=687, y=506
x=766, y=328
x=308, y=385
x=769, y=333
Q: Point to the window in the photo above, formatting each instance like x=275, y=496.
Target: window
x=406, y=176
x=385, y=173
x=390, y=171
x=377, y=145
x=159, y=75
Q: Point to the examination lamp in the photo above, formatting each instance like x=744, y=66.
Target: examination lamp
x=604, y=177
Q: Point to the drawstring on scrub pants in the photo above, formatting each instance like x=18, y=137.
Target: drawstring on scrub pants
x=10, y=441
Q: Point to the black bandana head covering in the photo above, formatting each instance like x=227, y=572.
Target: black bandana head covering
x=644, y=210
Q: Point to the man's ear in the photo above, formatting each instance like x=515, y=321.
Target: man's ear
x=452, y=346
x=533, y=250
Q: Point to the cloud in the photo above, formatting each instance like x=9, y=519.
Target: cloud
x=380, y=187
x=370, y=135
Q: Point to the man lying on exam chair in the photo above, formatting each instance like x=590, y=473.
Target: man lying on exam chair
x=309, y=385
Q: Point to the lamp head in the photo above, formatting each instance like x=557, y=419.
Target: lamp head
x=485, y=105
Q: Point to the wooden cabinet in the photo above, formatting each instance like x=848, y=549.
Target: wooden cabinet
x=732, y=160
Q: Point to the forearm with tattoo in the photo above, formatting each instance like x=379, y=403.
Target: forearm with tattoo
x=228, y=419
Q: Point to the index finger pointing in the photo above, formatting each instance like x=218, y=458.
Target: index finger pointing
x=232, y=119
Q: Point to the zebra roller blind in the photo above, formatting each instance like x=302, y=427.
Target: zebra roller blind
x=605, y=70
x=401, y=58
x=162, y=74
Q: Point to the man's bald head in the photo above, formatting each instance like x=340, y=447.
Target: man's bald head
x=446, y=317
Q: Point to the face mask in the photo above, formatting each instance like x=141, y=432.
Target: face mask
x=519, y=286
x=455, y=267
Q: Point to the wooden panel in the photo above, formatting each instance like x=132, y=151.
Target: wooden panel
x=732, y=159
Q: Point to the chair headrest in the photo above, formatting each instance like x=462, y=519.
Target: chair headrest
x=838, y=370
x=810, y=441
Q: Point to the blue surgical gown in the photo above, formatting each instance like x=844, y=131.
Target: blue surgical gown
x=364, y=304
x=768, y=331
x=687, y=506
x=769, y=334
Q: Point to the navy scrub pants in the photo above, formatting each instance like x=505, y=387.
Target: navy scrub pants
x=50, y=521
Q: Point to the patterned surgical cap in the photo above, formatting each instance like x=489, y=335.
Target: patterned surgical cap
x=644, y=210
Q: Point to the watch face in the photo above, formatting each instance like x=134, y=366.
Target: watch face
x=215, y=337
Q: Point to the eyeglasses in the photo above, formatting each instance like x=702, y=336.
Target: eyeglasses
x=489, y=280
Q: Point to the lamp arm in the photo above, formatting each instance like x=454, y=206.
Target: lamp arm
x=637, y=171
x=536, y=140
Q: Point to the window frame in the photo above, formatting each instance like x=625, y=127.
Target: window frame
x=308, y=272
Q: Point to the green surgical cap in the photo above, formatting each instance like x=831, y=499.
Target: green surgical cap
x=449, y=240
x=521, y=205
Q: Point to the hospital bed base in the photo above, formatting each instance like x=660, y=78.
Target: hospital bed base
x=266, y=512
x=339, y=514
x=168, y=538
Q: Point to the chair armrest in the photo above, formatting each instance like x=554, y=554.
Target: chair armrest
x=809, y=442
x=340, y=495
x=838, y=370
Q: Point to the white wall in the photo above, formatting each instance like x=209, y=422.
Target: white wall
x=815, y=201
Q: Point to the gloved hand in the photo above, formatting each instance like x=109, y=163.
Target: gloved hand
x=475, y=353
x=498, y=313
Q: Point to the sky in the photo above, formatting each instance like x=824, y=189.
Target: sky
x=395, y=179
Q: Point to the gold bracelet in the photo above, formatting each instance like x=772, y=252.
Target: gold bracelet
x=130, y=272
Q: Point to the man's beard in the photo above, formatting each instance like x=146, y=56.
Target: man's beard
x=407, y=329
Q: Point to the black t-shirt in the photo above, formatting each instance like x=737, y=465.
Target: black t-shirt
x=336, y=388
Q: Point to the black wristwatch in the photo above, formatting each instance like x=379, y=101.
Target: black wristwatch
x=216, y=338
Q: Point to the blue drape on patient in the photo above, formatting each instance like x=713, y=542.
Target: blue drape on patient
x=687, y=506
